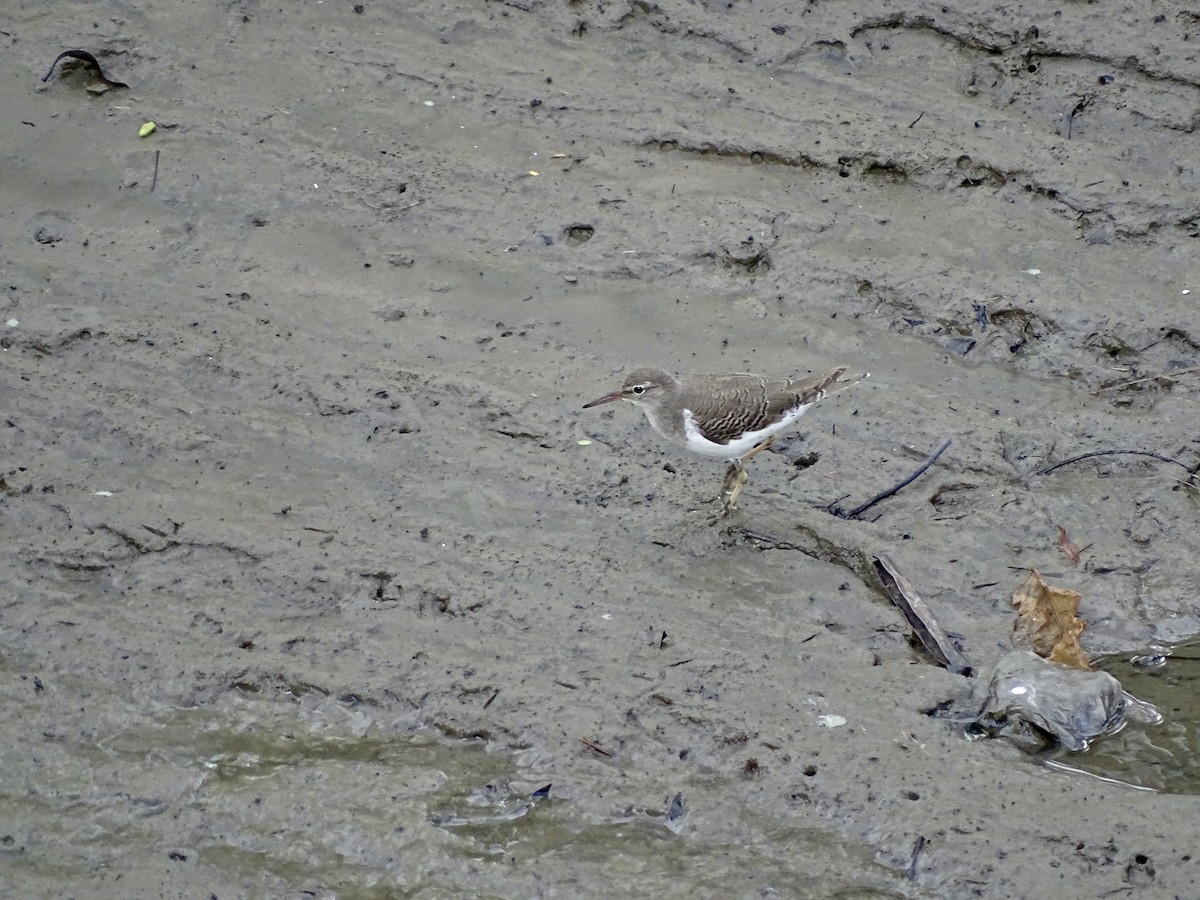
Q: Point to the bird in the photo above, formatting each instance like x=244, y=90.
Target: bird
x=731, y=417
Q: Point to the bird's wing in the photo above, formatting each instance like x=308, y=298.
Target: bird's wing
x=725, y=406
x=728, y=405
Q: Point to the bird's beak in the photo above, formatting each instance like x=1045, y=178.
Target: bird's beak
x=607, y=398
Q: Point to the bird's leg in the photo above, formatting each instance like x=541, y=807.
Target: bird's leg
x=736, y=477
x=757, y=448
x=735, y=480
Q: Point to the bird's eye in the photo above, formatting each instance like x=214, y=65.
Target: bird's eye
x=639, y=389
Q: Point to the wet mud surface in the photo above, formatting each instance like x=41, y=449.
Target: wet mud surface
x=310, y=581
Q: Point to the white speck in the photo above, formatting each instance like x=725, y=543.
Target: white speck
x=316, y=187
x=830, y=721
x=606, y=616
x=429, y=103
x=584, y=443
x=1033, y=271
x=1185, y=292
x=102, y=494
x=1019, y=691
x=13, y=323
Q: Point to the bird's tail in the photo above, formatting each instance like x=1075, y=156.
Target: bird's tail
x=845, y=381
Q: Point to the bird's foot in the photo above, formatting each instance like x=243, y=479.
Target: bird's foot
x=735, y=480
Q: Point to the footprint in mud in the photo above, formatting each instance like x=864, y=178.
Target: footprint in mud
x=52, y=227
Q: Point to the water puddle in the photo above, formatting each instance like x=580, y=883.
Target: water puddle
x=1163, y=757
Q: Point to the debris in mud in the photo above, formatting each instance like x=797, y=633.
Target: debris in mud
x=920, y=617
x=1047, y=622
x=594, y=747
x=1029, y=699
x=499, y=796
x=1046, y=470
x=894, y=489
x=1165, y=380
x=90, y=62
x=1070, y=549
x=676, y=810
x=1045, y=693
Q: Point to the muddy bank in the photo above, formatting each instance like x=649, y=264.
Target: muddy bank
x=303, y=550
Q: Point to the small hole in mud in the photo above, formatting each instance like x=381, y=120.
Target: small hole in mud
x=810, y=771
x=578, y=234
x=912, y=795
x=807, y=460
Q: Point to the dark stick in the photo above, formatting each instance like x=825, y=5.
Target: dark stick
x=1046, y=470
x=859, y=510
x=154, y=181
x=84, y=57
x=917, y=848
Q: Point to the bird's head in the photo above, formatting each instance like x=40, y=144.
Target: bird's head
x=643, y=386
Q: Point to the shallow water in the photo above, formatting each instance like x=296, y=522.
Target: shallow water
x=286, y=796
x=1166, y=756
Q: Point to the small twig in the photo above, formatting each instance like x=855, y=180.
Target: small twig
x=90, y=61
x=1046, y=470
x=764, y=540
x=1124, y=384
x=593, y=746
x=917, y=119
x=154, y=180
x=859, y=510
x=916, y=854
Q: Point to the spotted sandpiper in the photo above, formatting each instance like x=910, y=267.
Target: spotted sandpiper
x=730, y=417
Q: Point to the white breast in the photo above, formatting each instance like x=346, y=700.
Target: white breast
x=698, y=443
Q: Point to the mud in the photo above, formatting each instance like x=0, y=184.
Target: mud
x=304, y=557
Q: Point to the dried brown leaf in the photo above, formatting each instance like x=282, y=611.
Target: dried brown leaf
x=1068, y=547
x=1047, y=622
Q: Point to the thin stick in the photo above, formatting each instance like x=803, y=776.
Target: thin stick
x=154, y=181
x=1171, y=374
x=859, y=510
x=1046, y=470
x=917, y=848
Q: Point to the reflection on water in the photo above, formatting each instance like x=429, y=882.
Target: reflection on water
x=310, y=796
x=1166, y=756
